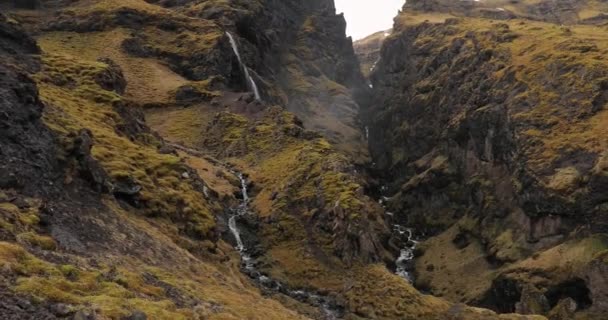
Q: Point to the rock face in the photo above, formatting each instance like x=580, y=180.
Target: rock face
x=304, y=51
x=25, y=4
x=28, y=148
x=296, y=52
x=482, y=140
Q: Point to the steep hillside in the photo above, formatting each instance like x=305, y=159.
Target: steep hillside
x=102, y=218
x=83, y=233
x=205, y=159
x=490, y=128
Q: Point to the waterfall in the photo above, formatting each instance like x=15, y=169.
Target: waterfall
x=251, y=85
x=374, y=65
x=236, y=233
x=244, y=188
x=327, y=305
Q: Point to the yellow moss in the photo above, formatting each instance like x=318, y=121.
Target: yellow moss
x=164, y=192
x=9, y=207
x=564, y=260
x=565, y=179
x=458, y=275
x=33, y=239
x=68, y=284
x=112, y=298
x=15, y=258
x=562, y=69
x=69, y=271
x=29, y=218
x=296, y=264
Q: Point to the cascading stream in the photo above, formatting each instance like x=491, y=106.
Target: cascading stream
x=403, y=264
x=251, y=85
x=407, y=252
x=330, y=309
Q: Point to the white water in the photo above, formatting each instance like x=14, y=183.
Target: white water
x=250, y=82
x=407, y=252
x=326, y=305
x=244, y=189
x=405, y=237
x=374, y=65
x=236, y=233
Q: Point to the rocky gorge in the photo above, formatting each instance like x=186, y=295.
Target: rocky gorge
x=244, y=159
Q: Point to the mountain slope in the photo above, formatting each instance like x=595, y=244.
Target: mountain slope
x=67, y=244
x=492, y=129
x=204, y=160
x=127, y=225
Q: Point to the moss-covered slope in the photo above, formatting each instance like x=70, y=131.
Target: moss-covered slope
x=492, y=128
x=101, y=217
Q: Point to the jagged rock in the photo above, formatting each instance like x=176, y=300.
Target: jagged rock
x=133, y=123
x=190, y=94
x=597, y=280
x=14, y=307
x=61, y=309
x=166, y=149
x=88, y=167
x=25, y=4
x=564, y=310
x=136, y=47
x=13, y=39
x=532, y=301
x=112, y=78
x=28, y=149
x=127, y=188
x=85, y=315
x=137, y=315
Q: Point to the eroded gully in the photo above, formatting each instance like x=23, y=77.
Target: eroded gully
x=327, y=305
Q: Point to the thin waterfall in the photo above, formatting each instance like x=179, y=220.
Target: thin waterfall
x=244, y=188
x=236, y=233
x=251, y=85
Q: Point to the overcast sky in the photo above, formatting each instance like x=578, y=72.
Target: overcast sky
x=365, y=17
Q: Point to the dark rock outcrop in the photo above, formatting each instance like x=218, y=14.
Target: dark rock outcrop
x=28, y=149
x=25, y=4
x=111, y=78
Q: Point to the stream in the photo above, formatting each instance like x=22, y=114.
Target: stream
x=405, y=238
x=329, y=308
x=406, y=257
x=327, y=305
